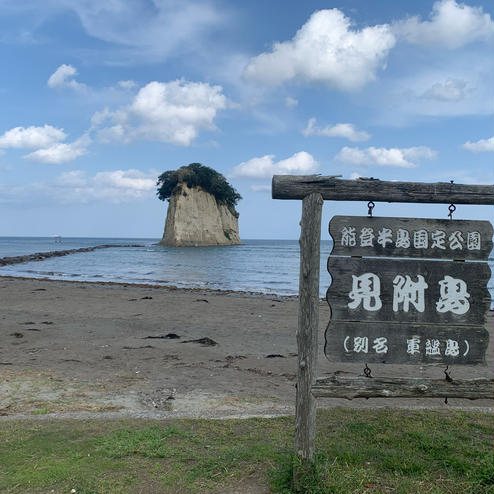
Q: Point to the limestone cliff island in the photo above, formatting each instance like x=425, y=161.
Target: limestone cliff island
x=201, y=209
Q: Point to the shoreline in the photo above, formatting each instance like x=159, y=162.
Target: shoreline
x=171, y=288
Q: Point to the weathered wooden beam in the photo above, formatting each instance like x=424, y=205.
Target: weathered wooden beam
x=401, y=387
x=308, y=325
x=334, y=189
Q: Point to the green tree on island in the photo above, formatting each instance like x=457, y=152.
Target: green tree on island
x=197, y=175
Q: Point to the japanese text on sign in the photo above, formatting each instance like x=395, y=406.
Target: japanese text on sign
x=404, y=290
x=366, y=290
x=405, y=239
x=410, y=237
x=413, y=345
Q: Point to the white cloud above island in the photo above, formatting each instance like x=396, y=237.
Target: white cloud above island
x=301, y=163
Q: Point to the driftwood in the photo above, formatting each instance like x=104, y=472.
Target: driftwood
x=401, y=387
x=334, y=189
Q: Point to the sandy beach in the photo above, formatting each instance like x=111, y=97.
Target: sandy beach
x=78, y=349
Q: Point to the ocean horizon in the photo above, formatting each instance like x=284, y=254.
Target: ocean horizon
x=257, y=265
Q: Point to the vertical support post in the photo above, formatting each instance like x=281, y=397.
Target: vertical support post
x=308, y=326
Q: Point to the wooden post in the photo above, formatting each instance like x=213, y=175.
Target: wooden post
x=308, y=325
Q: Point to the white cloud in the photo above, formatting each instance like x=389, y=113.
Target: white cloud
x=129, y=84
x=261, y=188
x=64, y=77
x=78, y=187
x=325, y=50
x=402, y=158
x=131, y=30
x=480, y=146
x=451, y=26
x=346, y=130
x=60, y=152
x=173, y=112
x=265, y=166
x=451, y=90
x=290, y=102
x=460, y=88
x=111, y=186
x=31, y=137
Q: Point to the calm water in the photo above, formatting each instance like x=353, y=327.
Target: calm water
x=268, y=266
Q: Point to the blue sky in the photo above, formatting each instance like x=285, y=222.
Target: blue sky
x=98, y=98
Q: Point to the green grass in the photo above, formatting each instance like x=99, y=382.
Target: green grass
x=359, y=451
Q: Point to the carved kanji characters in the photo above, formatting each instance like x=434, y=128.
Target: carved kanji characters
x=456, y=241
x=348, y=236
x=367, y=237
x=453, y=296
x=366, y=290
x=408, y=292
x=432, y=347
x=413, y=345
x=452, y=348
x=380, y=345
x=473, y=241
x=361, y=344
x=421, y=239
x=385, y=236
x=438, y=240
x=402, y=238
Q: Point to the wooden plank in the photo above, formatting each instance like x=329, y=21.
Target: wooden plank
x=308, y=324
x=394, y=343
x=396, y=387
x=411, y=237
x=350, y=275
x=334, y=189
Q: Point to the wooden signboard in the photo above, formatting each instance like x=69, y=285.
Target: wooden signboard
x=390, y=302
x=410, y=237
x=408, y=310
x=389, y=343
x=404, y=291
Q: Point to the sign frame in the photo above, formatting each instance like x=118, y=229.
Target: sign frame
x=313, y=190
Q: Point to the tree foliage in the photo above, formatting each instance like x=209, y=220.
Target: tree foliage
x=195, y=175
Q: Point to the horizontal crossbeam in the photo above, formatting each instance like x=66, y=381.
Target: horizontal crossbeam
x=335, y=189
x=402, y=387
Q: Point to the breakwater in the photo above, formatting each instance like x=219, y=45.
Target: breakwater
x=41, y=256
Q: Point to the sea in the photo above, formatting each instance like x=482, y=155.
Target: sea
x=261, y=266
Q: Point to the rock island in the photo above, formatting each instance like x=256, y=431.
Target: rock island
x=201, y=208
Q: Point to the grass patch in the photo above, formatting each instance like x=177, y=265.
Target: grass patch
x=359, y=451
